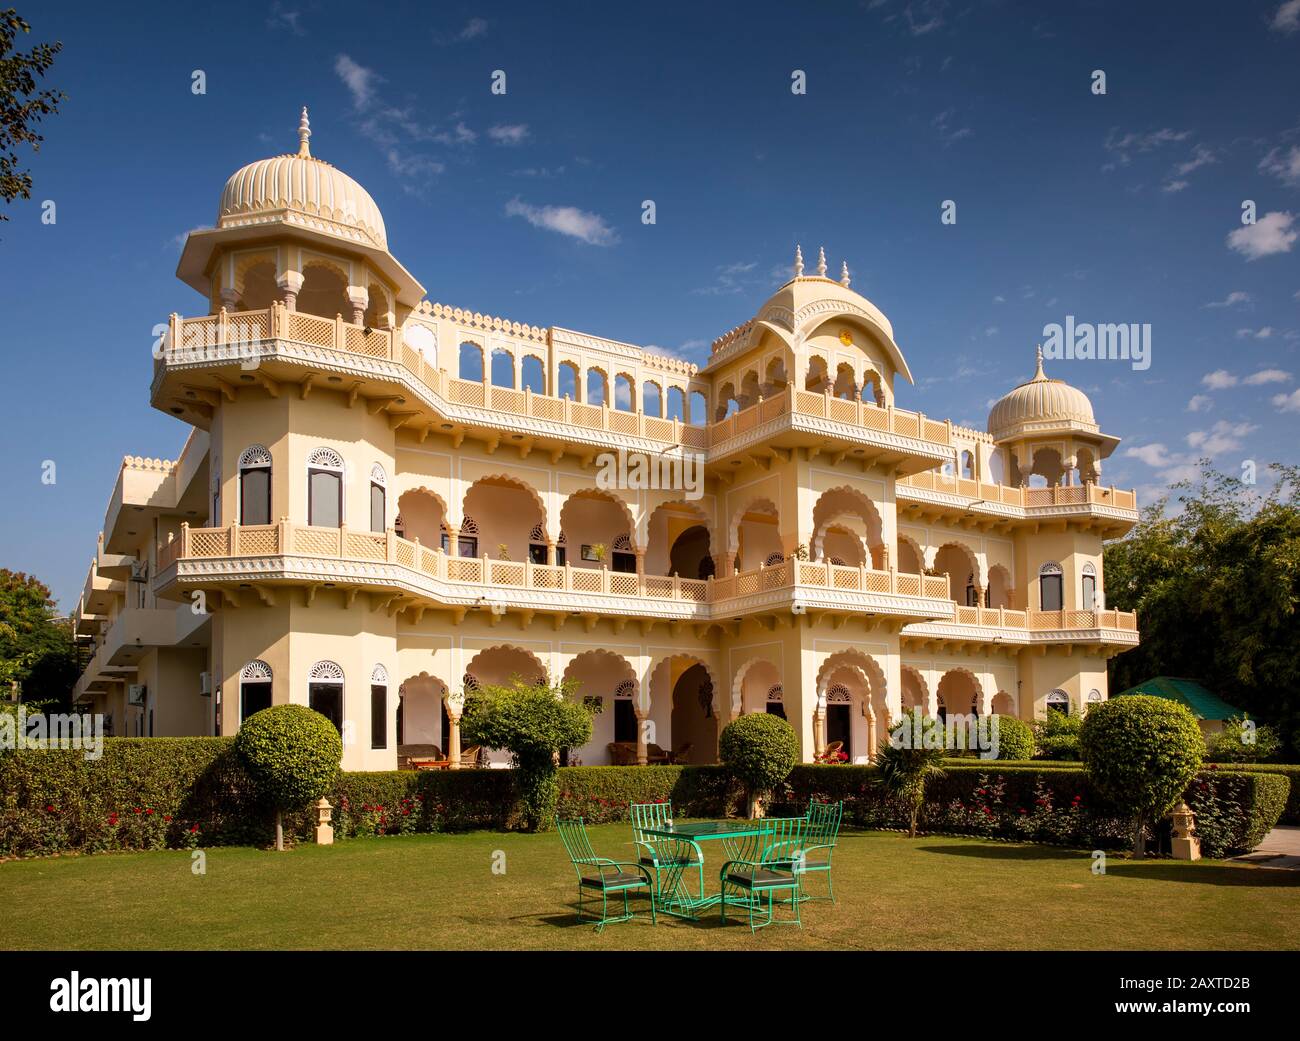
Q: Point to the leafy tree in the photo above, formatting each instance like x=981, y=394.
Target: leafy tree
x=1242, y=741
x=1216, y=587
x=1015, y=738
x=761, y=749
x=22, y=107
x=1141, y=752
x=908, y=760
x=292, y=753
x=36, y=648
x=534, y=723
x=1057, y=736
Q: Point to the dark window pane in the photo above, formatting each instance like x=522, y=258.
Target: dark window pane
x=624, y=562
x=325, y=503
x=776, y=708
x=1089, y=592
x=1051, y=590
x=378, y=716
x=537, y=553
x=839, y=727
x=327, y=699
x=255, y=496
x=468, y=546
x=254, y=698
x=376, y=508
x=624, y=720
x=559, y=555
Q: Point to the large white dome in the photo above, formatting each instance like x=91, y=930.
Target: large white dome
x=301, y=189
x=1040, y=404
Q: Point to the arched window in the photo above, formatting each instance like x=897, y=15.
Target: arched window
x=968, y=465
x=597, y=387
x=532, y=374
x=568, y=381
x=255, y=486
x=699, y=412
x=537, y=545
x=254, y=688
x=624, y=393
x=773, y=559
x=1058, y=701
x=325, y=691
x=379, y=707
x=839, y=718
x=972, y=594
x=776, y=700
x=378, y=498
x=325, y=488
x=623, y=556
x=625, y=712
x=652, y=400
x=676, y=404
x=1094, y=698
x=1049, y=587
x=471, y=362
x=468, y=544
x=1089, y=587
x=503, y=368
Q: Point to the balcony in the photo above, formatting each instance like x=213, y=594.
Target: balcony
x=278, y=344
x=985, y=625
x=137, y=629
x=408, y=574
x=938, y=495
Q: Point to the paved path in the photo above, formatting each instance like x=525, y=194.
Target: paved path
x=1280, y=849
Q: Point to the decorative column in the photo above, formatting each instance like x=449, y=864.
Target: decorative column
x=453, y=541
x=642, y=745
x=230, y=299
x=358, y=300
x=724, y=564
x=324, y=830
x=290, y=285
x=819, y=725
x=455, y=703
x=550, y=552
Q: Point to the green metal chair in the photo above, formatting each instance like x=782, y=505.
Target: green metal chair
x=602, y=875
x=670, y=859
x=753, y=870
x=820, y=835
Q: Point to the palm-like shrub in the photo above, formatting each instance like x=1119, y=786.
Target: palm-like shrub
x=534, y=723
x=292, y=753
x=907, y=762
x=760, y=749
x=1141, y=752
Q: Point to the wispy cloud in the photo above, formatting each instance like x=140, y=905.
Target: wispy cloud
x=948, y=131
x=1272, y=233
x=1284, y=165
x=1286, y=19
x=729, y=279
x=474, y=29
x=1287, y=402
x=566, y=220
x=1200, y=403
x=1222, y=437
x=1237, y=296
x=1264, y=376
x=280, y=17
x=508, y=134
x=360, y=81
x=1219, y=379
x=1122, y=146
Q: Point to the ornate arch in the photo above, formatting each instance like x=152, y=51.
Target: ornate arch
x=255, y=455
x=325, y=456
x=981, y=578
x=510, y=479
x=326, y=671
x=733, y=528
x=378, y=476
x=738, y=684
x=543, y=672
x=256, y=671
x=920, y=681
x=602, y=652
x=869, y=514
x=916, y=548
x=980, y=697
x=694, y=659
x=612, y=496
x=379, y=675
x=864, y=662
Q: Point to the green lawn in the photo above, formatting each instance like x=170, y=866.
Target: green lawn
x=440, y=891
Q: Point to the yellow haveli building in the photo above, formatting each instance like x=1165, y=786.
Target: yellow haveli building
x=385, y=502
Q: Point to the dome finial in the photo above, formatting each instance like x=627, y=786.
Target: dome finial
x=798, y=262
x=1039, y=374
x=845, y=281
x=821, y=262
x=304, y=132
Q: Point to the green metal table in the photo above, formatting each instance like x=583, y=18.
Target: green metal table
x=738, y=842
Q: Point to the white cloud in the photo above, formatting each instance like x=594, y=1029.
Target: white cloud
x=1122, y=146
x=1219, y=379
x=474, y=28
x=567, y=220
x=1283, y=165
x=1202, y=155
x=1288, y=402
x=1154, y=454
x=992, y=330
x=1222, y=437
x=1200, y=403
x=1003, y=299
x=731, y=278
x=1258, y=379
x=359, y=80
x=1237, y=296
x=1270, y=234
x=924, y=16
x=1287, y=17
x=943, y=122
x=508, y=134
x=1174, y=186
x=281, y=18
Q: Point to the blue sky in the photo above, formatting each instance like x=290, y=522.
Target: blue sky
x=1122, y=207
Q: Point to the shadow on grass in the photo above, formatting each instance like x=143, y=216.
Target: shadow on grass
x=1005, y=851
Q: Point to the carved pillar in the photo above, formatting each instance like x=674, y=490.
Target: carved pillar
x=642, y=732
x=290, y=285
x=550, y=551
x=819, y=726
x=453, y=541
x=453, y=740
x=358, y=300
x=230, y=299
x=724, y=563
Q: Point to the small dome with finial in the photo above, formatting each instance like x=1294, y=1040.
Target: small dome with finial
x=1041, y=404
x=301, y=189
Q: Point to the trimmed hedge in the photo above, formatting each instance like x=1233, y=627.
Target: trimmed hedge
x=153, y=793
x=1291, y=814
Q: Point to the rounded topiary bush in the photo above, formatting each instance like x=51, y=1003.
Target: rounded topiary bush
x=761, y=749
x=292, y=753
x=1141, y=752
x=1015, y=738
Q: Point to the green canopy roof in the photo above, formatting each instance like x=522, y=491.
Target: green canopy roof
x=1205, y=704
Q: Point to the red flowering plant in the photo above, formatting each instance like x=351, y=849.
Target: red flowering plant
x=835, y=758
